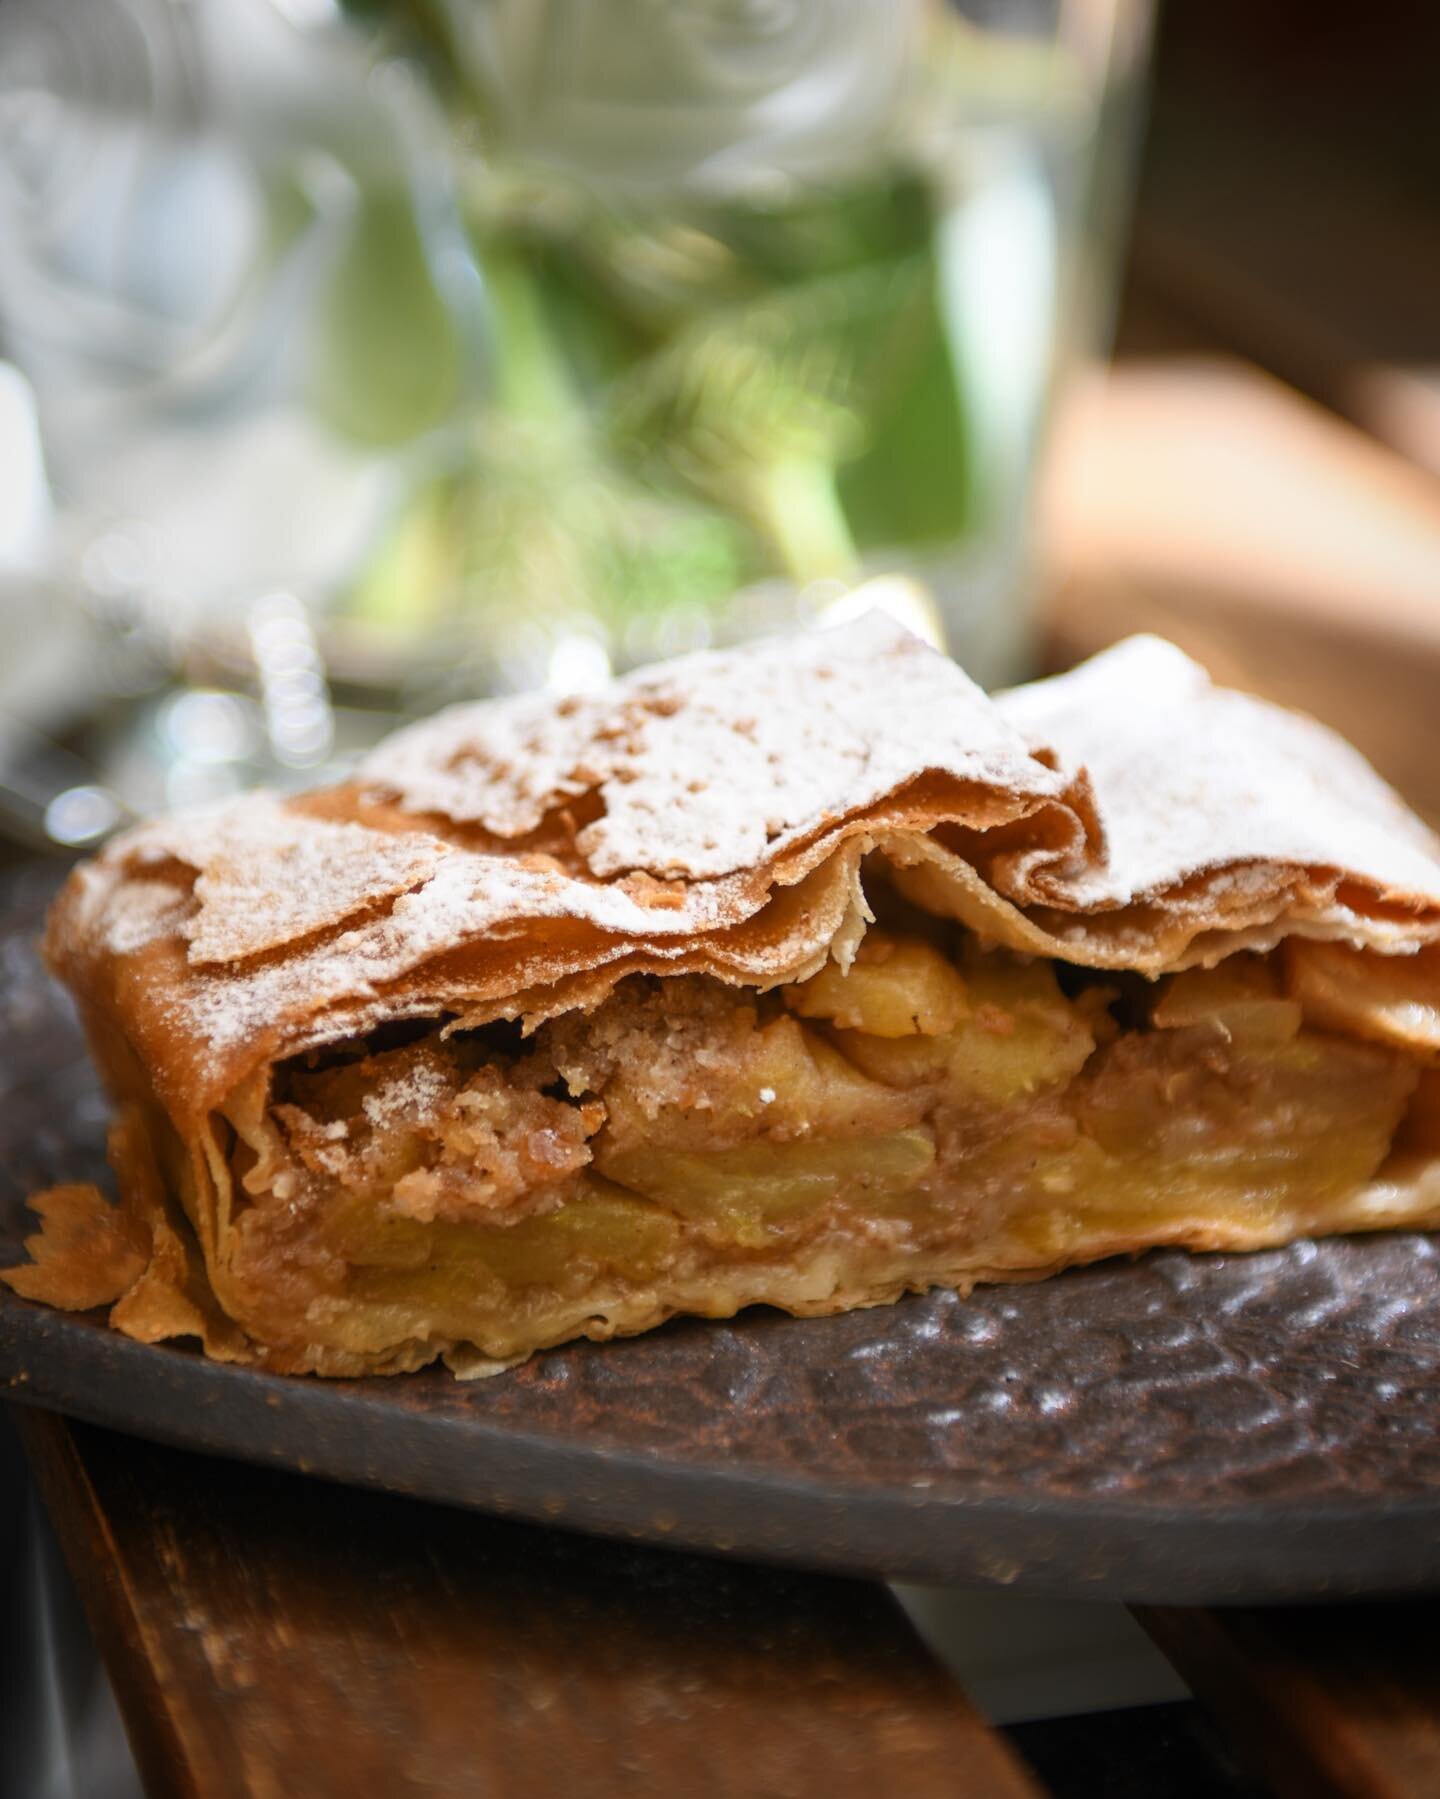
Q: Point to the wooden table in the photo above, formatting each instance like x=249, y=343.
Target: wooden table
x=268, y=1635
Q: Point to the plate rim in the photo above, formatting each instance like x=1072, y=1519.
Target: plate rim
x=1108, y=1546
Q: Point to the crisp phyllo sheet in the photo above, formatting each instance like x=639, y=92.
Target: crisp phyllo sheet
x=802, y=974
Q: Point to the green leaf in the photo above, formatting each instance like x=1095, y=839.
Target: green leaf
x=912, y=483
x=385, y=364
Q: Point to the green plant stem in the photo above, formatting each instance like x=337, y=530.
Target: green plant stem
x=532, y=380
x=797, y=504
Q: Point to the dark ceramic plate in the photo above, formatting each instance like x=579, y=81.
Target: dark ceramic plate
x=1178, y=1429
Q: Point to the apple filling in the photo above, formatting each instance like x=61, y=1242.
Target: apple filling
x=936, y=1113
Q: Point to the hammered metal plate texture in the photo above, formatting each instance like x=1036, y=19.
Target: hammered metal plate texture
x=1183, y=1428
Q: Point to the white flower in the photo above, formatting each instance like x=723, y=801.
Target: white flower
x=707, y=94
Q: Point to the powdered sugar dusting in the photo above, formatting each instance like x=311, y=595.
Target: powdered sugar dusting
x=415, y=1094
x=1192, y=777
x=267, y=876
x=282, y=877
x=142, y=911
x=707, y=764
x=470, y=897
x=720, y=776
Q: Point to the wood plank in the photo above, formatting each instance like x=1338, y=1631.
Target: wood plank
x=1335, y=1702
x=1196, y=497
x=1303, y=234
x=1318, y=328
x=269, y=1635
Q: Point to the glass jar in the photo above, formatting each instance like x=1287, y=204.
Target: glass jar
x=503, y=342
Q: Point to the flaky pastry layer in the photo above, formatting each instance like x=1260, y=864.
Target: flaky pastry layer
x=725, y=820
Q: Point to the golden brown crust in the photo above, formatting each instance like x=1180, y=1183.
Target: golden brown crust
x=218, y=942
x=518, y=859
x=82, y=1256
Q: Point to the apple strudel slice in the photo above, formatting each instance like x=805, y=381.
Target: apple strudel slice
x=802, y=974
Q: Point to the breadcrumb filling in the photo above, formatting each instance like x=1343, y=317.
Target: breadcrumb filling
x=938, y=1111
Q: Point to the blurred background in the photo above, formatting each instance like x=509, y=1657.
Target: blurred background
x=366, y=354
x=358, y=355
